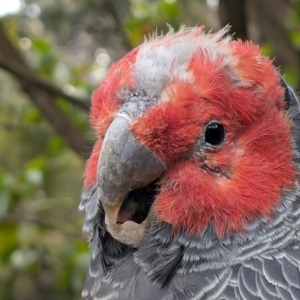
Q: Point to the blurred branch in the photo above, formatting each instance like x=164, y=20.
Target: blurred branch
x=113, y=8
x=21, y=72
x=268, y=17
x=289, y=3
x=37, y=128
x=56, y=225
x=233, y=12
x=42, y=97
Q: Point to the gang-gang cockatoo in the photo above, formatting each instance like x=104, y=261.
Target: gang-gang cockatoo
x=192, y=188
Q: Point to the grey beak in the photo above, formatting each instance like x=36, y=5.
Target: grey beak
x=124, y=165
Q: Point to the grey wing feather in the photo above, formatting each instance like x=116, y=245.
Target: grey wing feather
x=272, y=277
x=229, y=294
x=266, y=288
x=291, y=273
x=104, y=250
x=283, y=294
x=248, y=279
x=295, y=293
x=273, y=272
x=245, y=292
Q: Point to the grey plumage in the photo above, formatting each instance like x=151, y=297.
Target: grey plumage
x=265, y=265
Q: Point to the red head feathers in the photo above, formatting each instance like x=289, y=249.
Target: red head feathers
x=214, y=114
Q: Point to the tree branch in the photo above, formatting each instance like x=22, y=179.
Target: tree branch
x=42, y=97
x=233, y=12
x=20, y=72
x=56, y=225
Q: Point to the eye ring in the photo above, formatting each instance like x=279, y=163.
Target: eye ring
x=214, y=133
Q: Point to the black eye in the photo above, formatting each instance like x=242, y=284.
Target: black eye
x=214, y=133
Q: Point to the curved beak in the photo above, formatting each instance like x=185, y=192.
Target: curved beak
x=124, y=166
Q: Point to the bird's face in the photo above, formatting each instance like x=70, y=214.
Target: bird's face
x=194, y=128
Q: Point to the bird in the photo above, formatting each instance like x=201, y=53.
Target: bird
x=192, y=188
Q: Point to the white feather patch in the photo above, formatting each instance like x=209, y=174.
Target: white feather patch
x=164, y=58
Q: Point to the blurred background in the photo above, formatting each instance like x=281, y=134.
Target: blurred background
x=52, y=55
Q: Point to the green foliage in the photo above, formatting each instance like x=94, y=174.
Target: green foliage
x=40, y=226
x=150, y=16
x=42, y=252
x=154, y=16
x=47, y=56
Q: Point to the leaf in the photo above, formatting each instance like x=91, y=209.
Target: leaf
x=31, y=115
x=39, y=162
x=28, y=233
x=4, y=203
x=291, y=75
x=169, y=8
x=267, y=49
x=55, y=145
x=40, y=45
x=8, y=238
x=23, y=258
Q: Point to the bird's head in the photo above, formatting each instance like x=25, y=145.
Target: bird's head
x=194, y=128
